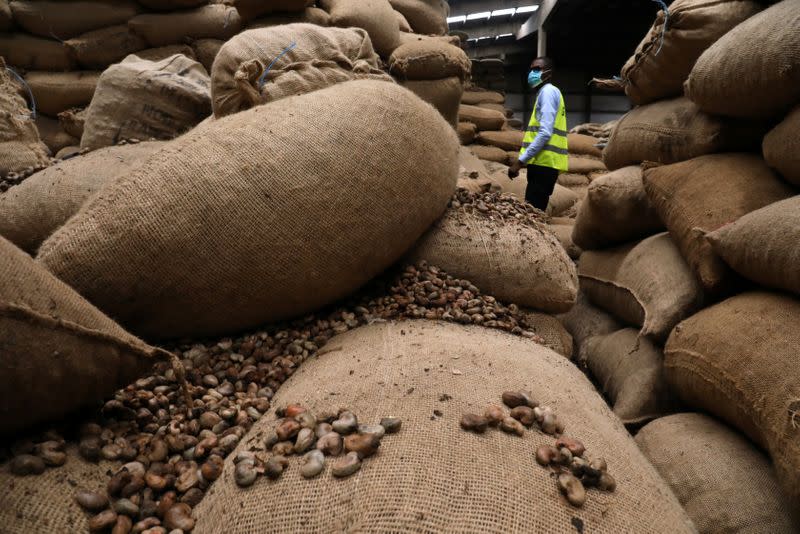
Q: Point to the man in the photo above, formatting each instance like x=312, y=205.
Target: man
x=544, y=147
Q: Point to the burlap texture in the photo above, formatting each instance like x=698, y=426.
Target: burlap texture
x=428, y=17
x=563, y=233
x=321, y=58
x=466, y=132
x=698, y=196
x=206, y=50
x=737, y=360
x=63, y=20
x=24, y=51
x=257, y=235
x=722, y=481
x=375, y=16
x=561, y=201
x=585, y=321
x=406, y=38
x=517, y=263
x=59, y=91
x=52, y=135
x=57, y=351
x=781, y=147
x=568, y=179
x=475, y=97
x=169, y=5
x=443, y=94
x=646, y=284
x=100, y=48
x=550, y=329
x=250, y=9
x=484, y=119
x=147, y=99
x=764, y=245
x=509, y=140
x=432, y=476
x=491, y=105
x=489, y=153
x=163, y=52
x=31, y=211
x=215, y=21
x=310, y=15
x=676, y=130
x=630, y=371
x=431, y=59
x=583, y=145
x=665, y=57
x=72, y=121
x=20, y=146
x=585, y=164
x=616, y=210
x=753, y=70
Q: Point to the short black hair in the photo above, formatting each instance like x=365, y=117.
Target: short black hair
x=548, y=63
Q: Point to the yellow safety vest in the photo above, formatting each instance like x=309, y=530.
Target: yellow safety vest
x=554, y=154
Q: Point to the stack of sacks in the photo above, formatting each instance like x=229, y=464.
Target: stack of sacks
x=425, y=17
x=489, y=73
x=435, y=71
x=375, y=16
x=479, y=113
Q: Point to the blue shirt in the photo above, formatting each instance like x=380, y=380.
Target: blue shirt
x=547, y=103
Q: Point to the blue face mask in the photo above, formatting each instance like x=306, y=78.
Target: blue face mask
x=535, y=78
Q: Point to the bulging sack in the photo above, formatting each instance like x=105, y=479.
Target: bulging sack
x=444, y=95
x=563, y=233
x=509, y=140
x=484, y=119
x=375, y=16
x=206, y=50
x=723, y=482
x=20, y=146
x=214, y=21
x=52, y=135
x=737, y=360
x=585, y=164
x=584, y=145
x=144, y=99
x=474, y=97
x=466, y=132
x=427, y=17
x=209, y=234
x=63, y=20
x=59, y=91
x=409, y=485
x=430, y=59
x=489, y=153
x=24, y=51
x=250, y=9
x=782, y=147
x=585, y=321
x=322, y=57
x=100, y=48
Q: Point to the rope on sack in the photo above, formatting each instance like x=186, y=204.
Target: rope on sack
x=30, y=94
x=666, y=22
x=262, y=78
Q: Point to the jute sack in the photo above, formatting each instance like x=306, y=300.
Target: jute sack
x=250, y=9
x=59, y=91
x=490, y=105
x=470, y=166
x=647, y=284
x=6, y=17
x=20, y=146
x=509, y=140
x=321, y=58
x=163, y=52
x=31, y=211
x=698, y=196
x=210, y=22
x=585, y=321
x=443, y=94
x=206, y=50
x=561, y=201
x=427, y=17
x=311, y=15
x=466, y=132
x=752, y=71
x=665, y=57
x=518, y=263
x=550, y=329
x=484, y=119
x=781, y=147
x=432, y=476
x=63, y=20
x=72, y=122
x=32, y=53
x=724, y=483
x=764, y=245
x=53, y=135
x=100, y=48
x=616, y=211
x=375, y=16
x=402, y=22
x=429, y=60
x=57, y=352
x=169, y=5
x=475, y=97
x=676, y=130
x=489, y=153
x=630, y=371
x=406, y=38
x=585, y=164
x=737, y=360
x=146, y=99
x=568, y=179
x=583, y=145
x=256, y=236
x=563, y=233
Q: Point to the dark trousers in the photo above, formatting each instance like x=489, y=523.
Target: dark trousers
x=541, y=182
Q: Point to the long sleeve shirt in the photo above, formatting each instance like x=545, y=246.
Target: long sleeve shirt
x=547, y=103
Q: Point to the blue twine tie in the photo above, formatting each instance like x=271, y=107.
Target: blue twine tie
x=261, y=79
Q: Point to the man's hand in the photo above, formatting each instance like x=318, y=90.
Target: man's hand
x=513, y=170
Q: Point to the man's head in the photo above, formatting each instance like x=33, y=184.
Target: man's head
x=543, y=65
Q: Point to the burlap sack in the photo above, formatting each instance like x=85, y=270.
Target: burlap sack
x=6, y=17
x=63, y=20
x=210, y=22
x=475, y=97
x=698, y=196
x=568, y=179
x=489, y=153
x=310, y=15
x=484, y=119
x=24, y=51
x=561, y=201
x=630, y=371
x=470, y=166
x=583, y=145
x=781, y=147
x=585, y=321
x=509, y=140
x=402, y=22
x=375, y=16
x=764, y=245
x=585, y=164
x=206, y=50
x=100, y=48
x=466, y=132
x=515, y=262
x=72, y=121
x=676, y=130
x=665, y=57
x=250, y=9
x=53, y=135
x=429, y=60
x=147, y=99
x=432, y=476
x=444, y=95
x=490, y=105
x=20, y=146
x=256, y=236
x=723, y=482
x=59, y=91
x=169, y=5
x=550, y=329
x=738, y=361
x=428, y=17
x=753, y=71
x=406, y=38
x=514, y=123
x=31, y=211
x=321, y=58
x=57, y=352
x=646, y=284
x=163, y=52
x=616, y=211
x=563, y=233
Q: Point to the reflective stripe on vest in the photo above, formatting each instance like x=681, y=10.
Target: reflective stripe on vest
x=554, y=154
